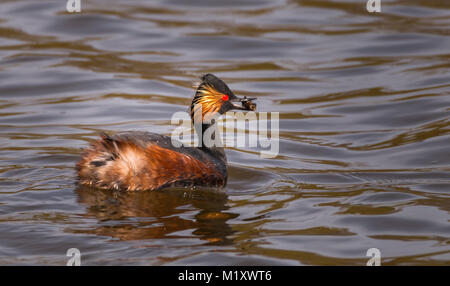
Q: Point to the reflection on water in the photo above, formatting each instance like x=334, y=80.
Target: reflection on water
x=157, y=215
x=364, y=130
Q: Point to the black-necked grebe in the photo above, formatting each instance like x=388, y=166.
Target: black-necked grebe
x=147, y=161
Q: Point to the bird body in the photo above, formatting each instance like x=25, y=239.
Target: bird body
x=137, y=160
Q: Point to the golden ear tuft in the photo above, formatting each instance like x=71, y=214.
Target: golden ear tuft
x=206, y=103
x=209, y=90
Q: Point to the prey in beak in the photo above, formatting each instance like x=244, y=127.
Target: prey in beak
x=244, y=103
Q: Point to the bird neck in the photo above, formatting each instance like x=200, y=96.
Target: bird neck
x=208, y=135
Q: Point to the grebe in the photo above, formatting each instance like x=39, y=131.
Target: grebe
x=137, y=160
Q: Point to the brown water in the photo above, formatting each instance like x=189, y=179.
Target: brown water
x=364, y=104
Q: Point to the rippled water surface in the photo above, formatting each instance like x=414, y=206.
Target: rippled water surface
x=364, y=102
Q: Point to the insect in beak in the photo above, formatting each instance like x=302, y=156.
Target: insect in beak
x=243, y=103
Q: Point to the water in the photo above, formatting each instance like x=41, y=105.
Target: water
x=364, y=131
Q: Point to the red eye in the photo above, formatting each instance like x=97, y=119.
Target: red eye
x=225, y=97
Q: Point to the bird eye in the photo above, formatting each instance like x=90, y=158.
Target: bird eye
x=225, y=97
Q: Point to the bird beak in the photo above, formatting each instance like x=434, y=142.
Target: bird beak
x=243, y=103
